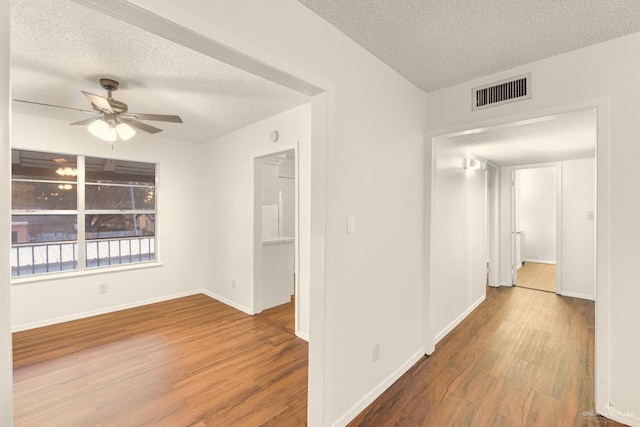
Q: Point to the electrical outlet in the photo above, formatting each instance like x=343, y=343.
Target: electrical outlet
x=233, y=284
x=102, y=288
x=376, y=351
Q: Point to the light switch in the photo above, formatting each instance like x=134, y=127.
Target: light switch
x=351, y=224
x=591, y=215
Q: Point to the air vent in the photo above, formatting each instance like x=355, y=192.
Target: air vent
x=502, y=92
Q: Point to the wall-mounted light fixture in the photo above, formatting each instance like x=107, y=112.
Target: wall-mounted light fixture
x=471, y=163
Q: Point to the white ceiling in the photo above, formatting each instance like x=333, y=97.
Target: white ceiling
x=59, y=48
x=436, y=43
x=565, y=136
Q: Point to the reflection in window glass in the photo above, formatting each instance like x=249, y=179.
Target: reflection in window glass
x=34, y=165
x=109, y=197
x=111, y=171
x=44, y=195
x=44, y=228
x=107, y=226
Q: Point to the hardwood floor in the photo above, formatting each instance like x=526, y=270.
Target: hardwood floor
x=186, y=362
x=282, y=316
x=522, y=358
x=538, y=276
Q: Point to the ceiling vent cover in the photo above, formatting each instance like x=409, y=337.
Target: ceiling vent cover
x=502, y=92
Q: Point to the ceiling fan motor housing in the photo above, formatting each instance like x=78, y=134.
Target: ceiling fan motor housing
x=111, y=85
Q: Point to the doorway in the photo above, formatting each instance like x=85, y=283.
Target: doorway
x=508, y=144
x=276, y=239
x=536, y=229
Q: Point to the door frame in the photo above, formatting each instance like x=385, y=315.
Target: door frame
x=256, y=305
x=602, y=106
x=512, y=194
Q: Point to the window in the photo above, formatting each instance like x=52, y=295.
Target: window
x=73, y=213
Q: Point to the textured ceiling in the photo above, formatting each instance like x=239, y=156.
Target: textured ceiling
x=546, y=139
x=436, y=43
x=59, y=48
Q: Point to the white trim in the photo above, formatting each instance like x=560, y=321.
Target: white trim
x=302, y=335
x=370, y=397
x=106, y=310
x=577, y=295
x=53, y=275
x=628, y=418
x=228, y=302
x=459, y=319
x=540, y=261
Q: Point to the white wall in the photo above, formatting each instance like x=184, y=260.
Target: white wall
x=228, y=178
x=578, y=231
x=373, y=278
x=536, y=212
x=604, y=75
x=458, y=261
x=48, y=300
x=6, y=356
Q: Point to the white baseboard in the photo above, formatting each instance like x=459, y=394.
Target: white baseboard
x=503, y=283
x=540, y=261
x=577, y=295
x=362, y=404
x=105, y=310
x=302, y=335
x=624, y=417
x=459, y=319
x=228, y=302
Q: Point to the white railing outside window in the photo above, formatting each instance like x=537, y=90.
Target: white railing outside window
x=39, y=258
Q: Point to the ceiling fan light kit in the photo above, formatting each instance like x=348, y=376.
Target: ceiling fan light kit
x=113, y=119
x=125, y=132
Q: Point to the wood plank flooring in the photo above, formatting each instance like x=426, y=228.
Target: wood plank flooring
x=282, y=316
x=535, y=275
x=186, y=362
x=522, y=358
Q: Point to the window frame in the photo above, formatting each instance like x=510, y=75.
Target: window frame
x=80, y=213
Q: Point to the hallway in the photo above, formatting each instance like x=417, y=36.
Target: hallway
x=523, y=357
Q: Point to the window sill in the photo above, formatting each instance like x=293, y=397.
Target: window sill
x=89, y=272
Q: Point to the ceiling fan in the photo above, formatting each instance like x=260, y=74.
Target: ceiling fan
x=112, y=118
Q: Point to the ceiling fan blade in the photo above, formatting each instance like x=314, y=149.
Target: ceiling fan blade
x=86, y=121
x=154, y=117
x=100, y=102
x=55, y=106
x=139, y=125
